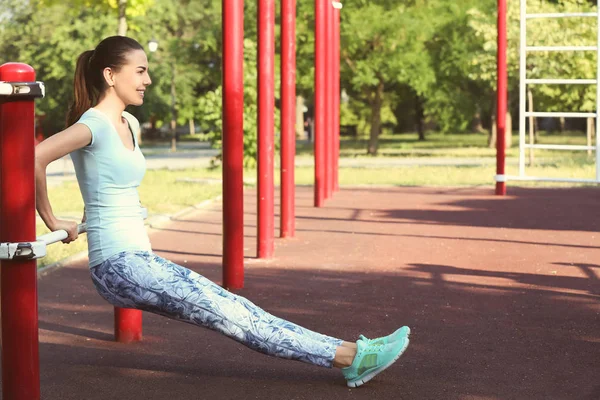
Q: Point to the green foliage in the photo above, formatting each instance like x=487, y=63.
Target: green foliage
x=38, y=36
x=464, y=50
x=435, y=53
x=134, y=8
x=384, y=42
x=210, y=105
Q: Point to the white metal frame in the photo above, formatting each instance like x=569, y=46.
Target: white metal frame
x=37, y=249
x=524, y=81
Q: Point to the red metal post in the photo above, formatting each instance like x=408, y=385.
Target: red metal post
x=288, y=116
x=501, y=98
x=20, y=346
x=266, y=124
x=320, y=106
x=329, y=100
x=233, y=144
x=336, y=97
x=128, y=325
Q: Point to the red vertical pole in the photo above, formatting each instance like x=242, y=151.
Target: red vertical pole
x=501, y=98
x=320, y=106
x=233, y=144
x=288, y=116
x=128, y=325
x=336, y=95
x=20, y=345
x=266, y=125
x=329, y=100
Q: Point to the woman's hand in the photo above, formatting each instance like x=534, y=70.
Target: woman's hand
x=69, y=226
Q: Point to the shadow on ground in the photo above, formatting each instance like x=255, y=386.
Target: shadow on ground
x=486, y=340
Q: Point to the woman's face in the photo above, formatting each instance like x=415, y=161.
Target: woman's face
x=131, y=80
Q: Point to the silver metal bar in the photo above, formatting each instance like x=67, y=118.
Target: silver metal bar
x=598, y=92
x=37, y=249
x=559, y=147
x=561, y=48
x=560, y=15
x=22, y=250
x=562, y=81
x=505, y=178
x=57, y=236
x=17, y=90
x=522, y=85
x=561, y=114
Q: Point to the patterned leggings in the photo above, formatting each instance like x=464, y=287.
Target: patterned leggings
x=145, y=281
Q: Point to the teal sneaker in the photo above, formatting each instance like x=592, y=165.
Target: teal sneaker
x=371, y=359
x=394, y=337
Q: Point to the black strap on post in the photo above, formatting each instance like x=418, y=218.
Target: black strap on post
x=12, y=91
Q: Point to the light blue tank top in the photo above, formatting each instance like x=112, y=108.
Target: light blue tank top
x=108, y=174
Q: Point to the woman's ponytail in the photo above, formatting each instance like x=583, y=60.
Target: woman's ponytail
x=83, y=88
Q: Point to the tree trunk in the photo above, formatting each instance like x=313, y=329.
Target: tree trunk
x=531, y=127
x=173, y=111
x=420, y=115
x=375, y=120
x=477, y=125
x=562, y=124
x=300, y=118
x=590, y=134
x=122, y=18
x=192, y=127
x=507, y=132
x=493, y=133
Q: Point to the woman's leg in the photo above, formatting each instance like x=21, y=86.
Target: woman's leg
x=148, y=282
x=267, y=317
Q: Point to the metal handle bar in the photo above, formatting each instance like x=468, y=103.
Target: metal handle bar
x=37, y=249
x=57, y=236
x=17, y=90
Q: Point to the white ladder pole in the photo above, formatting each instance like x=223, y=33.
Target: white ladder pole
x=598, y=91
x=522, y=84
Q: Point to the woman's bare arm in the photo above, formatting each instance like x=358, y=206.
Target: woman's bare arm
x=53, y=148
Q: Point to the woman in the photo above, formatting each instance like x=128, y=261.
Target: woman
x=109, y=167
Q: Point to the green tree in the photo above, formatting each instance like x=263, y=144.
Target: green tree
x=541, y=32
x=41, y=36
x=458, y=97
x=188, y=60
x=121, y=8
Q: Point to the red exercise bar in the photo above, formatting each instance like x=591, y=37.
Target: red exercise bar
x=336, y=96
x=128, y=325
x=20, y=346
x=288, y=116
x=266, y=124
x=329, y=100
x=233, y=144
x=501, y=98
x=320, y=106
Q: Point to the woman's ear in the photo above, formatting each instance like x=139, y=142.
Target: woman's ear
x=108, y=77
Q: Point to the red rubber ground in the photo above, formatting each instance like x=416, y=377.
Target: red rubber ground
x=502, y=296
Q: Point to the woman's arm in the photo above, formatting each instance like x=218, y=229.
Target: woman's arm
x=53, y=148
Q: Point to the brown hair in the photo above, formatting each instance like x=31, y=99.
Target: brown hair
x=89, y=81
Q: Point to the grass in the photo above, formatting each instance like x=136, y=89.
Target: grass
x=452, y=175
x=471, y=145
x=163, y=192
